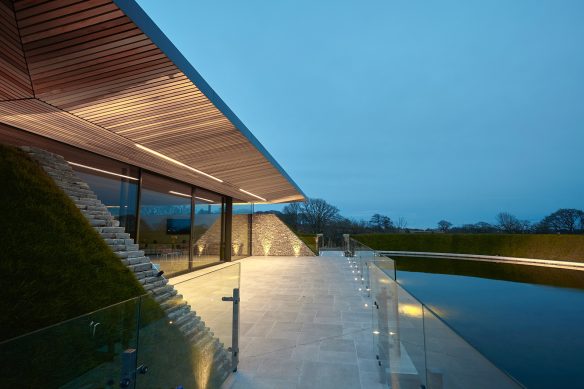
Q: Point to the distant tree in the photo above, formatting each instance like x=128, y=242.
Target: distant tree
x=319, y=214
x=292, y=214
x=386, y=223
x=401, y=223
x=563, y=220
x=380, y=223
x=509, y=223
x=444, y=225
x=375, y=222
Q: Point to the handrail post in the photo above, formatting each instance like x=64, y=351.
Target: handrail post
x=235, y=338
x=235, y=329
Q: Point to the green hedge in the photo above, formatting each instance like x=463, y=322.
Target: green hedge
x=53, y=264
x=556, y=247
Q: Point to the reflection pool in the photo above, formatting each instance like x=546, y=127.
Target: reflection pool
x=528, y=320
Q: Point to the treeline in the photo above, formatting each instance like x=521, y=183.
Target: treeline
x=318, y=216
x=562, y=221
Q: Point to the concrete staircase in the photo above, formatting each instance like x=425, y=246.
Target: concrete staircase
x=177, y=310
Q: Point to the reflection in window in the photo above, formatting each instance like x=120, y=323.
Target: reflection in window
x=115, y=184
x=207, y=228
x=165, y=222
x=240, y=230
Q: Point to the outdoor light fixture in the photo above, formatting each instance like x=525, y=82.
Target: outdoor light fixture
x=251, y=194
x=179, y=194
x=102, y=171
x=176, y=162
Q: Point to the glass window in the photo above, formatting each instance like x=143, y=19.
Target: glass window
x=114, y=183
x=207, y=228
x=240, y=230
x=165, y=223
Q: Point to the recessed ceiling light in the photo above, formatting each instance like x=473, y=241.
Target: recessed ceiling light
x=179, y=194
x=102, y=171
x=251, y=194
x=176, y=162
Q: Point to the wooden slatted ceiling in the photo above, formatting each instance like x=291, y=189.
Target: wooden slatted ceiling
x=88, y=60
x=45, y=120
x=14, y=78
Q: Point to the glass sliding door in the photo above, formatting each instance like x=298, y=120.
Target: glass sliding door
x=207, y=227
x=165, y=223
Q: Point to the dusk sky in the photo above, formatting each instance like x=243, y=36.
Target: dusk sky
x=417, y=109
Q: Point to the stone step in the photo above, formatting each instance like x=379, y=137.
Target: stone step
x=140, y=267
x=87, y=202
x=145, y=273
x=204, y=342
x=115, y=235
x=159, y=299
x=97, y=223
x=178, y=307
x=162, y=289
x=130, y=254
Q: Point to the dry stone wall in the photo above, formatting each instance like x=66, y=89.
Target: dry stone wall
x=270, y=236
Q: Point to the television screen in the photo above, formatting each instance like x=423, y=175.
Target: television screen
x=178, y=226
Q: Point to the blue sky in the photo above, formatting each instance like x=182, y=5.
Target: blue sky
x=417, y=109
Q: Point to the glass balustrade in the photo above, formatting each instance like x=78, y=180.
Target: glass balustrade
x=415, y=348
x=178, y=341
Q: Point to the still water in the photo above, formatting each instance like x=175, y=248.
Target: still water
x=528, y=320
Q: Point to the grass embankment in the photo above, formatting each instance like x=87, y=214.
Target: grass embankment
x=308, y=240
x=53, y=265
x=554, y=247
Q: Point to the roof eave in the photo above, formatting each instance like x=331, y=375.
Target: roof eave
x=147, y=25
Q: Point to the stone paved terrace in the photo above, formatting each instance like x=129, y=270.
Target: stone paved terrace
x=304, y=324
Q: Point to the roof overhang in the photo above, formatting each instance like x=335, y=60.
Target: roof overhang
x=100, y=75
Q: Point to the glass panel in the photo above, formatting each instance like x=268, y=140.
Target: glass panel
x=165, y=223
x=203, y=293
x=406, y=329
x=415, y=347
x=115, y=184
x=240, y=237
x=398, y=333
x=190, y=351
x=207, y=242
x=85, y=352
x=453, y=363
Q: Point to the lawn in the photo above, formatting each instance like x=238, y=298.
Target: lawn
x=54, y=266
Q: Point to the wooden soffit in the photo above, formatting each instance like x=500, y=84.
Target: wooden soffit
x=101, y=76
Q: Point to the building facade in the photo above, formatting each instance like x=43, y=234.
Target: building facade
x=98, y=83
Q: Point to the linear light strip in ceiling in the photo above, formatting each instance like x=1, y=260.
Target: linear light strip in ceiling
x=176, y=162
x=251, y=194
x=186, y=195
x=179, y=194
x=102, y=171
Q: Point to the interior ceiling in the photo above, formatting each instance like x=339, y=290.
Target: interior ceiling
x=84, y=73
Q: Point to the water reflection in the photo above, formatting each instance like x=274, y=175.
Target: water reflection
x=526, y=319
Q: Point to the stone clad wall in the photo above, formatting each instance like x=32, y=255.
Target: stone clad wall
x=270, y=236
